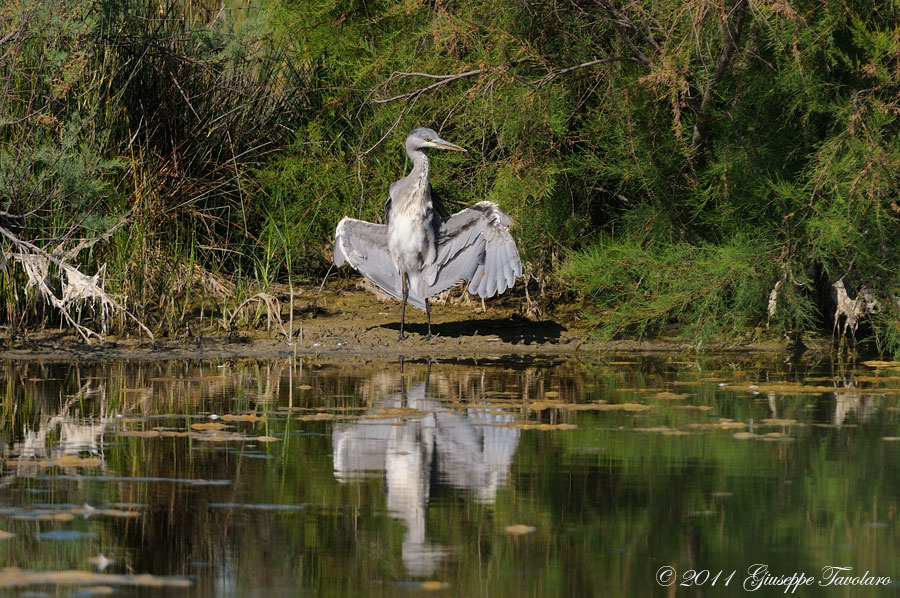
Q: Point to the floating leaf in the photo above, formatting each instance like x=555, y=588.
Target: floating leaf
x=61, y=461
x=533, y=426
x=745, y=435
x=519, y=529
x=75, y=461
x=874, y=363
x=399, y=412
x=665, y=431
x=208, y=426
x=775, y=436
x=247, y=417
x=788, y=388
x=12, y=577
x=614, y=407
x=722, y=424
x=119, y=513
x=5, y=535
x=671, y=396
x=317, y=417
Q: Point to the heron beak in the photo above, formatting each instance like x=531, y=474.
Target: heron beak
x=441, y=144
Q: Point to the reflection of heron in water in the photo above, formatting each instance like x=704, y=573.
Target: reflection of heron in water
x=470, y=452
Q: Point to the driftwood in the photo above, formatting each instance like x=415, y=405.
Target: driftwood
x=77, y=289
x=852, y=310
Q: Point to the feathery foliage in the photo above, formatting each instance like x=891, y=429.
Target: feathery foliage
x=710, y=167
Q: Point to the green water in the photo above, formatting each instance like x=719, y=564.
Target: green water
x=516, y=478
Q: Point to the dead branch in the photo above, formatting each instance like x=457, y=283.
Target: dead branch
x=853, y=310
x=8, y=37
x=77, y=287
x=389, y=131
x=442, y=80
x=625, y=26
x=445, y=79
x=557, y=72
x=733, y=25
x=88, y=243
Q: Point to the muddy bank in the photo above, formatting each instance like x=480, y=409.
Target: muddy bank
x=346, y=321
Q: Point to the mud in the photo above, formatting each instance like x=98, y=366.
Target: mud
x=346, y=321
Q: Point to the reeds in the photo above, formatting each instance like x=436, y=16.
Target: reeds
x=133, y=130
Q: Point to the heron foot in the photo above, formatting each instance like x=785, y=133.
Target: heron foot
x=429, y=336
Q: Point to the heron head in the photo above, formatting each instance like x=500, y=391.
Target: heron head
x=424, y=137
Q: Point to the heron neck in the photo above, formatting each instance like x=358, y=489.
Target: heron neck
x=420, y=164
x=417, y=179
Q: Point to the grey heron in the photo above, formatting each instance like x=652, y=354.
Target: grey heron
x=421, y=250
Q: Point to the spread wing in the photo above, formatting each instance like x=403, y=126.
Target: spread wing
x=475, y=245
x=365, y=247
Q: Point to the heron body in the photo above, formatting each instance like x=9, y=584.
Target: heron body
x=411, y=241
x=421, y=251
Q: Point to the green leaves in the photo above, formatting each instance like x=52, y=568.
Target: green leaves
x=707, y=290
x=680, y=134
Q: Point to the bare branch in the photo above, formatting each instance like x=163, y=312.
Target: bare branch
x=734, y=21
x=8, y=37
x=556, y=73
x=416, y=74
x=87, y=243
x=390, y=129
x=625, y=26
x=443, y=80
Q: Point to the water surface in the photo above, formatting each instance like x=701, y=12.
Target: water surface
x=513, y=478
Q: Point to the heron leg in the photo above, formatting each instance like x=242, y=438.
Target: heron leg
x=428, y=316
x=404, y=286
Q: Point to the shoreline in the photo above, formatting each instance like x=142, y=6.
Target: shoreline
x=353, y=324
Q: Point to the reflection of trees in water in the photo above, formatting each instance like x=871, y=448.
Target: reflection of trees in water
x=63, y=431
x=66, y=410
x=429, y=443
x=76, y=409
x=849, y=400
